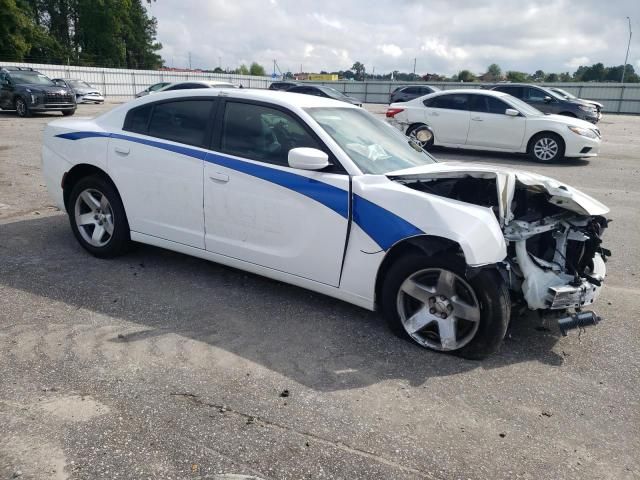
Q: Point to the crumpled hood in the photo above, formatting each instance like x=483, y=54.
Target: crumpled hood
x=561, y=194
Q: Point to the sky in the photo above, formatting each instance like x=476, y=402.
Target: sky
x=443, y=36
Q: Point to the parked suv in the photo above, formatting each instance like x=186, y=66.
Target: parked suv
x=409, y=92
x=548, y=101
x=26, y=90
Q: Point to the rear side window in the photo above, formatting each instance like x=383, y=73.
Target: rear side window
x=183, y=121
x=536, y=95
x=412, y=90
x=487, y=104
x=514, y=91
x=262, y=133
x=454, y=101
x=138, y=119
x=185, y=86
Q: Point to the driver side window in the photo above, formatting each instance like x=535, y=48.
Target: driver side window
x=261, y=133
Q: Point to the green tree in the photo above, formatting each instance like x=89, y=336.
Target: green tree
x=552, y=77
x=242, y=70
x=538, y=76
x=257, y=70
x=16, y=31
x=565, y=77
x=466, y=76
x=514, y=76
x=358, y=70
x=494, y=72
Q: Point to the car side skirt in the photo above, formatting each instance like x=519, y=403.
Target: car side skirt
x=322, y=288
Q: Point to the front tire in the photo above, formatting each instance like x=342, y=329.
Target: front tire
x=432, y=302
x=97, y=217
x=546, y=147
x=22, y=109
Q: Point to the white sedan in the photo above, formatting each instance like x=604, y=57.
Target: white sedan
x=323, y=195
x=490, y=120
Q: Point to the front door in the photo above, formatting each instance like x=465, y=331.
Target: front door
x=260, y=210
x=491, y=127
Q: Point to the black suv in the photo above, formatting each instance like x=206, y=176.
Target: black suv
x=548, y=101
x=26, y=91
x=409, y=92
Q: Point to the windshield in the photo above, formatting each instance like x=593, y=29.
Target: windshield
x=32, y=78
x=564, y=93
x=79, y=84
x=332, y=92
x=373, y=145
x=523, y=107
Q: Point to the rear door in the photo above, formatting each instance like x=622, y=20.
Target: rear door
x=260, y=210
x=489, y=126
x=157, y=161
x=448, y=116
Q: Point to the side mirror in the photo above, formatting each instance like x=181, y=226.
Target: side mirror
x=547, y=99
x=308, y=158
x=512, y=112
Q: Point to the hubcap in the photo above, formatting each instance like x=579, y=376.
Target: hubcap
x=94, y=217
x=422, y=136
x=546, y=148
x=438, y=309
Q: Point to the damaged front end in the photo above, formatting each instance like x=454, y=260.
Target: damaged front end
x=555, y=259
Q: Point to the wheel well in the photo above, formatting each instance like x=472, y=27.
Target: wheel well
x=568, y=114
x=424, y=244
x=77, y=173
x=547, y=132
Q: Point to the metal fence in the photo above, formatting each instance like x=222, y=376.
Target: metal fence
x=123, y=83
x=616, y=97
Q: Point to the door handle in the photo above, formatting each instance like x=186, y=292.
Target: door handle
x=219, y=177
x=122, y=150
x=477, y=119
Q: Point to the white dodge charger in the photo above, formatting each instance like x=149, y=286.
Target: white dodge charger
x=323, y=195
x=491, y=120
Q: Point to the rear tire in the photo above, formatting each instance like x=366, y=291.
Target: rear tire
x=477, y=308
x=413, y=131
x=546, y=147
x=97, y=217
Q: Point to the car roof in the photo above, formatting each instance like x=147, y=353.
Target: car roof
x=476, y=91
x=279, y=97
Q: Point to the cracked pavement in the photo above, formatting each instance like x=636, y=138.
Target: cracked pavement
x=158, y=365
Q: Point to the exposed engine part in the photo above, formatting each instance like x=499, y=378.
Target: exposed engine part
x=578, y=320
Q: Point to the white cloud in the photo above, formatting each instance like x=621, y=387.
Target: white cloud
x=390, y=50
x=326, y=21
x=551, y=35
x=575, y=62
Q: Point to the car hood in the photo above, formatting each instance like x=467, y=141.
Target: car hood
x=592, y=102
x=35, y=87
x=572, y=121
x=506, y=180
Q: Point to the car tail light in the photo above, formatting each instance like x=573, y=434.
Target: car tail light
x=392, y=112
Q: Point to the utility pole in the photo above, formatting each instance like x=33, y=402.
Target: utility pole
x=626, y=58
x=414, y=67
x=220, y=63
x=189, y=60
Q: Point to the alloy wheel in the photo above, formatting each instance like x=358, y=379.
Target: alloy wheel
x=21, y=107
x=94, y=217
x=438, y=309
x=545, y=149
